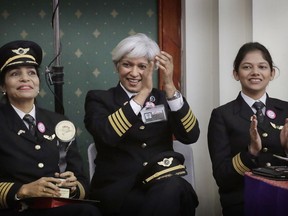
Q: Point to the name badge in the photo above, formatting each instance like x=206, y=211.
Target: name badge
x=153, y=114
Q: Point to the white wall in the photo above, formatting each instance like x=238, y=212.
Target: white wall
x=201, y=54
x=214, y=30
x=270, y=27
x=235, y=28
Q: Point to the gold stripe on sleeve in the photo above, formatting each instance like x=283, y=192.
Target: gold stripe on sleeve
x=191, y=124
x=119, y=122
x=124, y=118
x=4, y=189
x=186, y=116
x=114, y=126
x=238, y=165
x=189, y=121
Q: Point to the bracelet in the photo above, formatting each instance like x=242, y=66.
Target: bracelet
x=138, y=103
x=176, y=95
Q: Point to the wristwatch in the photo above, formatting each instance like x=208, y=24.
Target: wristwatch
x=176, y=95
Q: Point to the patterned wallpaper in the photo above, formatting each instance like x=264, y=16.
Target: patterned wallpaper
x=89, y=30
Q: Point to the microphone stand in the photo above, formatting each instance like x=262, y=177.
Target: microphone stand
x=57, y=70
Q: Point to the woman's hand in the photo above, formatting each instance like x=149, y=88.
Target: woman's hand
x=43, y=187
x=147, y=84
x=68, y=180
x=256, y=143
x=165, y=63
x=284, y=136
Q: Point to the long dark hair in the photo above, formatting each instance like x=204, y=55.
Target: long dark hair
x=252, y=46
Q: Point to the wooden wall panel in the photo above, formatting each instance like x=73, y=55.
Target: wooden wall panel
x=169, y=33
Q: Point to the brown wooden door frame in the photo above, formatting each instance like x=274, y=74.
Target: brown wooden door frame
x=169, y=35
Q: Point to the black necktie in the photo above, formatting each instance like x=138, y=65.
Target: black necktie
x=31, y=122
x=258, y=105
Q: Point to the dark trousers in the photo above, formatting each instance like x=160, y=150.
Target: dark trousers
x=236, y=210
x=82, y=209
x=172, y=196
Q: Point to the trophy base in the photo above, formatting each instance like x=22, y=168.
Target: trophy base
x=65, y=192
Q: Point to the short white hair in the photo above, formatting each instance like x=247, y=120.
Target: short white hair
x=135, y=46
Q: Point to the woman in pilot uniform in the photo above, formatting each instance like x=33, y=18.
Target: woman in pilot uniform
x=242, y=134
x=137, y=172
x=32, y=162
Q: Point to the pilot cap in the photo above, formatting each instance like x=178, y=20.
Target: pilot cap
x=20, y=53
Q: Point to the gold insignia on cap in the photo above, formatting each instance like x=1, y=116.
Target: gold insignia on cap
x=21, y=51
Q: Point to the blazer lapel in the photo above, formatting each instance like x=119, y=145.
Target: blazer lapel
x=278, y=111
x=275, y=114
x=246, y=112
x=15, y=123
x=242, y=108
x=120, y=95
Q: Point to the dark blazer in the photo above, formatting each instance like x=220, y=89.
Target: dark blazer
x=228, y=140
x=24, y=159
x=124, y=144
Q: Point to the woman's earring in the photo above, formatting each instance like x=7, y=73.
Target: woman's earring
x=3, y=92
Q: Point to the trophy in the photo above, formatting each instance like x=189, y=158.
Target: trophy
x=65, y=131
